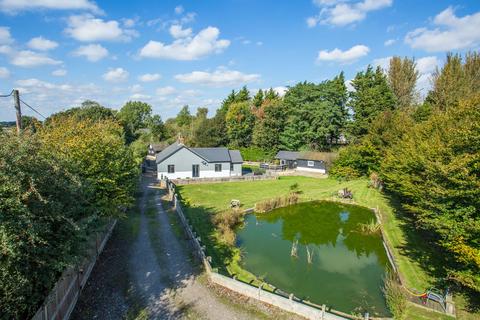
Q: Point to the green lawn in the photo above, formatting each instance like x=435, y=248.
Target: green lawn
x=414, y=256
x=212, y=198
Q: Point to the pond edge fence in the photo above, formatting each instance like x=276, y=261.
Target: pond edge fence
x=61, y=300
x=279, y=299
x=448, y=308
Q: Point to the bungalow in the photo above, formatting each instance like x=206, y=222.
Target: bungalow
x=306, y=160
x=178, y=161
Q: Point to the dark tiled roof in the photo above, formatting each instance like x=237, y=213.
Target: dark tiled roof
x=287, y=155
x=213, y=154
x=220, y=154
x=168, y=151
x=236, y=156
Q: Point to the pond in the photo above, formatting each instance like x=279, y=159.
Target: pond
x=315, y=251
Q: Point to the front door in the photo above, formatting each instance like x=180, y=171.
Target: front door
x=195, y=171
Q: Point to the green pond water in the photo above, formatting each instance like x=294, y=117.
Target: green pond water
x=347, y=267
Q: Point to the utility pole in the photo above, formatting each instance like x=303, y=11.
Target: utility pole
x=16, y=98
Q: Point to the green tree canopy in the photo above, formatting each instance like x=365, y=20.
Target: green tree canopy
x=435, y=170
x=402, y=78
x=96, y=152
x=240, y=121
x=41, y=206
x=316, y=114
x=371, y=96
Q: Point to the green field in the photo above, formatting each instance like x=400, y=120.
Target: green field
x=412, y=253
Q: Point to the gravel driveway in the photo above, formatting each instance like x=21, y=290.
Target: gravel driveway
x=146, y=272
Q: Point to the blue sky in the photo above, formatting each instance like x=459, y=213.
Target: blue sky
x=170, y=53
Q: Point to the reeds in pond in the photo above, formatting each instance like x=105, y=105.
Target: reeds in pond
x=278, y=202
x=370, y=227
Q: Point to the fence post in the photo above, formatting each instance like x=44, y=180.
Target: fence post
x=323, y=311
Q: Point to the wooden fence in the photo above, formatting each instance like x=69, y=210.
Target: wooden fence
x=61, y=301
x=223, y=179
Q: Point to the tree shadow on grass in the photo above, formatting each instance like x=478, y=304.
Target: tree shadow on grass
x=201, y=219
x=422, y=248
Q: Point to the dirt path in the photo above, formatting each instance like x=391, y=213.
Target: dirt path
x=147, y=273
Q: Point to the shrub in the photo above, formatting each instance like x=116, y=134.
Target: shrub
x=226, y=222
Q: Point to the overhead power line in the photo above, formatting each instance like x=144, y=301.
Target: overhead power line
x=6, y=95
x=37, y=112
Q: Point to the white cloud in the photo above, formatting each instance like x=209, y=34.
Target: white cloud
x=87, y=28
x=5, y=36
x=179, y=9
x=427, y=64
x=202, y=44
x=27, y=58
x=219, y=78
x=13, y=6
x=344, y=57
x=59, y=73
x=383, y=63
x=149, y=77
x=451, y=33
x=177, y=32
x=34, y=84
x=116, y=75
x=340, y=13
x=140, y=96
x=165, y=91
x=93, y=52
x=389, y=42
x=129, y=23
x=4, y=73
x=42, y=44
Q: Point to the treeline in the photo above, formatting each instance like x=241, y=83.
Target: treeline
x=308, y=117
x=60, y=180
x=428, y=155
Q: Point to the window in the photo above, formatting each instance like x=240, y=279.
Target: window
x=311, y=163
x=218, y=167
x=171, y=168
x=231, y=166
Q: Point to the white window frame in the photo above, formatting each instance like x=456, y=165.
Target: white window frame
x=310, y=163
x=168, y=168
x=218, y=164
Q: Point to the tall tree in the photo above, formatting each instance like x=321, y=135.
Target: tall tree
x=258, y=98
x=402, y=78
x=240, y=121
x=134, y=115
x=316, y=114
x=89, y=109
x=457, y=79
x=184, y=118
x=271, y=94
x=269, y=125
x=371, y=96
x=435, y=171
x=96, y=152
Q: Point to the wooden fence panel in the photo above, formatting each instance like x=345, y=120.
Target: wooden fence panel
x=61, y=300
